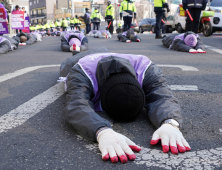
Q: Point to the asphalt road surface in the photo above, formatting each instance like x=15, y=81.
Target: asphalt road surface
x=34, y=134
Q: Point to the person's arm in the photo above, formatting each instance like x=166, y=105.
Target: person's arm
x=161, y=105
x=65, y=45
x=200, y=44
x=120, y=10
x=134, y=10
x=179, y=45
x=79, y=110
x=84, y=44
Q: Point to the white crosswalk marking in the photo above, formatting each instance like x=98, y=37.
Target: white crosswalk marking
x=183, y=87
x=29, y=109
x=182, y=67
x=23, y=71
x=213, y=49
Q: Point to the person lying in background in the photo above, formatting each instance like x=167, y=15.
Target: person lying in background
x=128, y=36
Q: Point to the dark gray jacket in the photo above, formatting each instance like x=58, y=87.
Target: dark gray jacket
x=179, y=44
x=5, y=46
x=79, y=111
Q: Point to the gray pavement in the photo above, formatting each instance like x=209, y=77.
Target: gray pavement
x=46, y=141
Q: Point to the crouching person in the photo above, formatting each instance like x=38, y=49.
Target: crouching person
x=75, y=42
x=186, y=42
x=8, y=44
x=121, y=85
x=128, y=36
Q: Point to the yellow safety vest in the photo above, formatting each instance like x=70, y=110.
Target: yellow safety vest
x=96, y=14
x=127, y=8
x=110, y=11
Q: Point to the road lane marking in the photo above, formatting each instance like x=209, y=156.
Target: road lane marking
x=29, y=109
x=182, y=67
x=213, y=49
x=183, y=87
x=23, y=71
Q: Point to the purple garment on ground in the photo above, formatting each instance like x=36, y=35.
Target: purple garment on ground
x=190, y=40
x=180, y=36
x=79, y=34
x=89, y=65
x=125, y=33
x=102, y=31
x=75, y=41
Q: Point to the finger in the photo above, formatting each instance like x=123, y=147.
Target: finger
x=173, y=146
x=155, y=138
x=121, y=154
x=105, y=155
x=180, y=145
x=112, y=154
x=187, y=146
x=165, y=143
x=132, y=145
x=128, y=152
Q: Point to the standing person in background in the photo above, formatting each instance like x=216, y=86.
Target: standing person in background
x=52, y=26
x=72, y=20
x=64, y=24
x=96, y=18
x=127, y=9
x=194, y=7
x=25, y=13
x=77, y=23
x=32, y=27
x=159, y=6
x=47, y=27
x=17, y=9
x=109, y=16
x=86, y=18
x=43, y=26
x=6, y=14
x=39, y=26
x=58, y=24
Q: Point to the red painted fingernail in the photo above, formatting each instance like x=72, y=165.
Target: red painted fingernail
x=106, y=157
x=187, y=148
x=135, y=148
x=165, y=148
x=181, y=148
x=174, y=149
x=131, y=157
x=114, y=159
x=154, y=142
x=123, y=159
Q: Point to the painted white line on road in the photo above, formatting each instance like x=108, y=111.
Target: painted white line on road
x=29, y=109
x=182, y=67
x=213, y=49
x=23, y=71
x=183, y=87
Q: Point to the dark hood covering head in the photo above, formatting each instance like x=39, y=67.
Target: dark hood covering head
x=188, y=33
x=130, y=34
x=73, y=36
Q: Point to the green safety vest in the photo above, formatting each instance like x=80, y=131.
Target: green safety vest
x=96, y=14
x=38, y=27
x=72, y=21
x=110, y=11
x=58, y=24
x=47, y=25
x=64, y=23
x=52, y=25
x=159, y=3
x=32, y=28
x=76, y=21
x=43, y=26
x=127, y=6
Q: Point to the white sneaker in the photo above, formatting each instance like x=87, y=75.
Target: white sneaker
x=128, y=41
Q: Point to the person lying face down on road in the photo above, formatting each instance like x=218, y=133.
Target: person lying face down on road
x=56, y=33
x=100, y=34
x=37, y=35
x=8, y=44
x=121, y=85
x=128, y=36
x=75, y=42
x=26, y=38
x=186, y=42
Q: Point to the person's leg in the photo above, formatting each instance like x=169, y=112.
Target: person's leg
x=129, y=21
x=97, y=25
x=158, y=22
x=111, y=28
x=94, y=26
x=125, y=23
x=189, y=23
x=16, y=31
x=196, y=19
x=162, y=26
x=87, y=28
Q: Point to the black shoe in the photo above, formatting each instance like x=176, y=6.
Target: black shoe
x=159, y=37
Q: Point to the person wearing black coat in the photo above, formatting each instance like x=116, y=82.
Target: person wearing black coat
x=194, y=7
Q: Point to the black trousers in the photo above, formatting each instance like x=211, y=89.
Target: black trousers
x=96, y=25
x=193, y=25
x=64, y=28
x=159, y=15
x=17, y=31
x=127, y=23
x=110, y=27
x=88, y=28
x=72, y=27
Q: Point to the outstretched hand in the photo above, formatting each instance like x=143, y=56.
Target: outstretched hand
x=113, y=144
x=171, y=138
x=201, y=51
x=193, y=51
